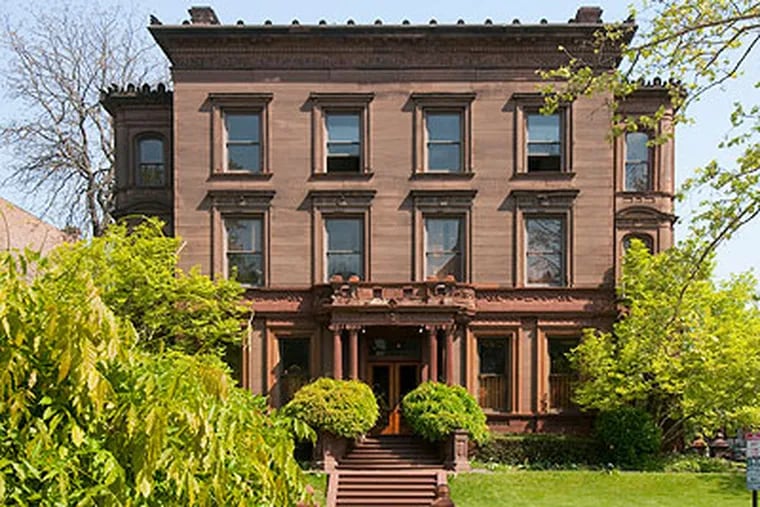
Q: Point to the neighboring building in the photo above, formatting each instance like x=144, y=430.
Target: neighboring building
x=19, y=229
x=395, y=203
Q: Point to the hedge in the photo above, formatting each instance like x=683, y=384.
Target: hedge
x=540, y=451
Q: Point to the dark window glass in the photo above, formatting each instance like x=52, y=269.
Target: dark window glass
x=294, y=366
x=444, y=142
x=151, y=169
x=343, y=142
x=492, y=374
x=344, y=247
x=644, y=238
x=245, y=253
x=243, y=142
x=544, y=142
x=637, y=166
x=545, y=250
x=562, y=377
x=443, y=247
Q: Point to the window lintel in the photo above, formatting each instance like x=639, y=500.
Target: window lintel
x=340, y=200
x=241, y=201
x=544, y=199
x=442, y=200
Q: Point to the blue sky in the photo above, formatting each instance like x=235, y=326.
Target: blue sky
x=696, y=144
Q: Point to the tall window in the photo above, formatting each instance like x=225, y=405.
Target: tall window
x=243, y=141
x=294, y=366
x=638, y=177
x=492, y=373
x=444, y=141
x=343, y=142
x=546, y=251
x=561, y=374
x=245, y=253
x=151, y=169
x=544, y=142
x=344, y=247
x=443, y=247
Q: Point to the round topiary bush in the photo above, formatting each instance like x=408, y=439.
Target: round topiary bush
x=435, y=410
x=345, y=408
x=629, y=437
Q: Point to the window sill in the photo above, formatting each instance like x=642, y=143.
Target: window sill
x=338, y=176
x=647, y=193
x=543, y=175
x=442, y=176
x=240, y=176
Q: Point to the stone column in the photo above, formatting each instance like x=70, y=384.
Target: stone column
x=353, y=354
x=337, y=354
x=433, y=354
x=450, y=356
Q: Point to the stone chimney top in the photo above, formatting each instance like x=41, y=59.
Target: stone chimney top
x=203, y=16
x=588, y=14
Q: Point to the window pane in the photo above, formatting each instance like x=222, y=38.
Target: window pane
x=246, y=268
x=246, y=157
x=444, y=157
x=443, y=126
x=545, y=269
x=242, y=127
x=543, y=127
x=151, y=175
x=636, y=148
x=492, y=354
x=345, y=265
x=151, y=151
x=342, y=127
x=637, y=176
x=543, y=149
x=344, y=234
x=545, y=234
x=558, y=350
x=346, y=149
x=443, y=234
x=442, y=265
x=294, y=356
x=244, y=234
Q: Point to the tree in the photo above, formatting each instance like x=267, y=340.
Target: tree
x=696, y=47
x=89, y=418
x=59, y=56
x=697, y=370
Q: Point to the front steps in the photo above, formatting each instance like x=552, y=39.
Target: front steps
x=387, y=471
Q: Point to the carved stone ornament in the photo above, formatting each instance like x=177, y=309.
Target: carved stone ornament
x=436, y=200
x=341, y=200
x=544, y=199
x=642, y=217
x=233, y=201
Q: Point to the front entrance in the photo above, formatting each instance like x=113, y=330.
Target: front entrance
x=390, y=383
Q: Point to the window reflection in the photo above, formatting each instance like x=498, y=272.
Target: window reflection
x=545, y=250
x=344, y=247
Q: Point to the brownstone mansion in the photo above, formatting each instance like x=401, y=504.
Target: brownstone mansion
x=394, y=202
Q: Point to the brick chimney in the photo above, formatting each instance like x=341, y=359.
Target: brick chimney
x=588, y=14
x=203, y=16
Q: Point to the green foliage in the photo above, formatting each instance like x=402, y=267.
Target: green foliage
x=686, y=353
x=540, y=451
x=88, y=418
x=693, y=463
x=137, y=276
x=629, y=437
x=435, y=410
x=345, y=408
x=698, y=47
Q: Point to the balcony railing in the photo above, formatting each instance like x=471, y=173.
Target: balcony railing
x=492, y=392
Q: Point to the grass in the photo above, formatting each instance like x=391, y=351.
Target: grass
x=318, y=481
x=598, y=489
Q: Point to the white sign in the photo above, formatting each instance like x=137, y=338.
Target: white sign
x=753, y=461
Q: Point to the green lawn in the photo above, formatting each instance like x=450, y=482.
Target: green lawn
x=595, y=489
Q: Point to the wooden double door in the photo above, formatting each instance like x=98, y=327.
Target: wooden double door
x=391, y=381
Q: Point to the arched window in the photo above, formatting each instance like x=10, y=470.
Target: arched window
x=644, y=238
x=151, y=167
x=638, y=167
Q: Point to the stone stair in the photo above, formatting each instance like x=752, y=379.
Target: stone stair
x=387, y=470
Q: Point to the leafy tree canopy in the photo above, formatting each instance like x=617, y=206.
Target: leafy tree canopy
x=696, y=369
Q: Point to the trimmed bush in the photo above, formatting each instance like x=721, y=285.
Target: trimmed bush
x=345, y=408
x=540, y=451
x=629, y=437
x=435, y=410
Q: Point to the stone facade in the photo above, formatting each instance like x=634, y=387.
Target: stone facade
x=489, y=319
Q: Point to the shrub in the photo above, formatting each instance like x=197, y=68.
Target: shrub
x=693, y=463
x=540, y=451
x=629, y=437
x=346, y=408
x=435, y=410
